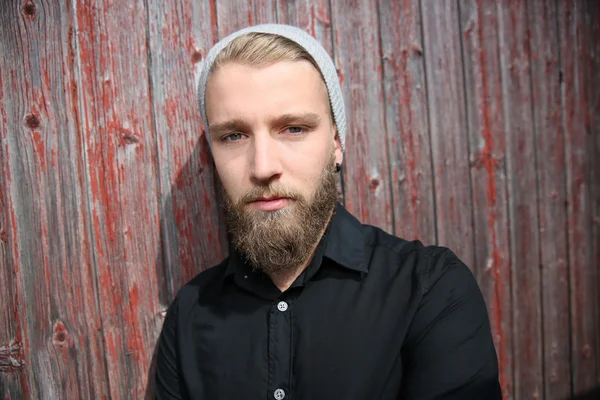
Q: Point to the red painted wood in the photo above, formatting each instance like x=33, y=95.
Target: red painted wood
x=193, y=236
x=314, y=16
x=52, y=343
x=550, y=166
x=487, y=149
x=12, y=363
x=12, y=355
x=594, y=14
x=576, y=67
x=406, y=120
x=447, y=121
x=358, y=59
x=121, y=158
x=233, y=15
x=522, y=196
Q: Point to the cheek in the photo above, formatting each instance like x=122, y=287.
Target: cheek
x=310, y=169
x=231, y=177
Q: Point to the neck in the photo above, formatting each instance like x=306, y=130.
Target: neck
x=284, y=279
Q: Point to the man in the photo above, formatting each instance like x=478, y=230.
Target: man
x=311, y=304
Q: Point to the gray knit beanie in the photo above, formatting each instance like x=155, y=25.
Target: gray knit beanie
x=312, y=47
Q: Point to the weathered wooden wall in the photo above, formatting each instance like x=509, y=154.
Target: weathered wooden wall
x=473, y=123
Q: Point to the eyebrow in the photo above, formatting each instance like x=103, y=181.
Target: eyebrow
x=230, y=125
x=305, y=118
x=311, y=119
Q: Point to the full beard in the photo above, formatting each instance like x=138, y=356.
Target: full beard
x=282, y=240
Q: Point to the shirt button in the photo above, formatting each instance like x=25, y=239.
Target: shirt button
x=282, y=306
x=279, y=394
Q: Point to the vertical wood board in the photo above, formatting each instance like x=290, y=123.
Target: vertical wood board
x=358, y=58
x=447, y=122
x=53, y=273
x=406, y=120
x=583, y=278
x=550, y=166
x=513, y=34
x=192, y=234
x=121, y=161
x=487, y=150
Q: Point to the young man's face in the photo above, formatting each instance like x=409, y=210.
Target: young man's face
x=273, y=142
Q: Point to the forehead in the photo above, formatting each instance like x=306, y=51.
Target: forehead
x=236, y=90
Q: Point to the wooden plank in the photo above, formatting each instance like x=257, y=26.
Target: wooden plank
x=367, y=186
x=13, y=376
x=406, y=120
x=447, y=122
x=314, y=16
x=487, y=150
x=522, y=195
x=193, y=236
x=121, y=161
x=594, y=18
x=233, y=15
x=549, y=142
x=576, y=68
x=54, y=297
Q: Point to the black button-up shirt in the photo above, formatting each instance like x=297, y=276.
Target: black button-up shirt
x=372, y=317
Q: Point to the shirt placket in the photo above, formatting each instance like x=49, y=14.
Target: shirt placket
x=280, y=350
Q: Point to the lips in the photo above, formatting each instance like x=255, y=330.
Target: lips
x=270, y=203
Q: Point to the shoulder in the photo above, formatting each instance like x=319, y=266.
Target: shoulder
x=429, y=262
x=202, y=284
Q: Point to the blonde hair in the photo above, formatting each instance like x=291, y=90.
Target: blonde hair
x=262, y=49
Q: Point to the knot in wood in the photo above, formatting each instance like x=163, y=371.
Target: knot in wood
x=61, y=337
x=32, y=121
x=374, y=183
x=417, y=49
x=3, y=236
x=197, y=56
x=127, y=137
x=29, y=9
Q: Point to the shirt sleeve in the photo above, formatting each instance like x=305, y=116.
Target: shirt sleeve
x=167, y=377
x=449, y=351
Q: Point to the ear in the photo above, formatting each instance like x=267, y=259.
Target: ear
x=339, y=155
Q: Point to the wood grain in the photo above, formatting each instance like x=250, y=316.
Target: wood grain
x=576, y=68
x=121, y=166
x=593, y=11
x=54, y=304
x=233, y=15
x=487, y=149
x=13, y=378
x=312, y=16
x=550, y=166
x=522, y=194
x=193, y=236
x=406, y=120
x=358, y=58
x=447, y=121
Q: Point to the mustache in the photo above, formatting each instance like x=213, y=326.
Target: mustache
x=274, y=190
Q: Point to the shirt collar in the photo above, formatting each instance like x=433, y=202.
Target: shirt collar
x=346, y=241
x=344, y=244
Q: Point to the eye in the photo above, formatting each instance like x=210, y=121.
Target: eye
x=233, y=137
x=294, y=130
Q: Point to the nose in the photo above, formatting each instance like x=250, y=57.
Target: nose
x=266, y=162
